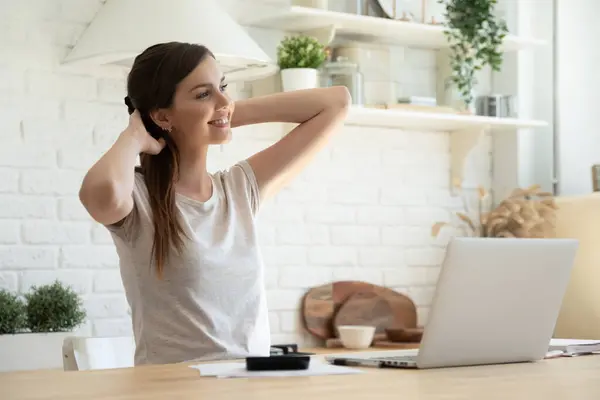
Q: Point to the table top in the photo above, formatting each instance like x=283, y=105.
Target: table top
x=551, y=379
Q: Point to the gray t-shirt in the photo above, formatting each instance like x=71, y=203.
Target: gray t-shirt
x=211, y=302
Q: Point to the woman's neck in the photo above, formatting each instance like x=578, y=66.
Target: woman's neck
x=194, y=180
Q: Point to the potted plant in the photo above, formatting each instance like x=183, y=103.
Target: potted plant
x=299, y=58
x=475, y=36
x=13, y=314
x=33, y=330
x=525, y=213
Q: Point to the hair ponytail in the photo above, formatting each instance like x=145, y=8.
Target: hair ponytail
x=151, y=85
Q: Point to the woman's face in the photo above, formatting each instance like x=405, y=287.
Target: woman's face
x=201, y=108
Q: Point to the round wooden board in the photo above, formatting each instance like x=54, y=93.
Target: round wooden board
x=365, y=308
x=321, y=304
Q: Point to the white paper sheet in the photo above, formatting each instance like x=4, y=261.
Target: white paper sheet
x=238, y=370
x=574, y=347
x=555, y=342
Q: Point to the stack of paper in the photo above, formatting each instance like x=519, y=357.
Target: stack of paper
x=238, y=370
x=574, y=347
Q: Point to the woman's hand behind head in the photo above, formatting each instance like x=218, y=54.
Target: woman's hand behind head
x=146, y=142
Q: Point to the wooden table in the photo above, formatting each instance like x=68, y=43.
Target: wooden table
x=554, y=379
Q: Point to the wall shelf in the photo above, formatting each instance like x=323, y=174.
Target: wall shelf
x=467, y=131
x=363, y=28
x=429, y=121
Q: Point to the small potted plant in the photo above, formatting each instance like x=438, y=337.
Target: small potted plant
x=32, y=331
x=13, y=314
x=475, y=36
x=299, y=58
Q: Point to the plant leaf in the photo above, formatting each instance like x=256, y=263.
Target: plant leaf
x=481, y=192
x=437, y=227
x=545, y=194
x=466, y=219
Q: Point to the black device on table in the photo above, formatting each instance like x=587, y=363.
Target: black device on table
x=282, y=358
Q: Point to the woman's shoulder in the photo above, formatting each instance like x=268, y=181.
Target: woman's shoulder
x=240, y=173
x=239, y=181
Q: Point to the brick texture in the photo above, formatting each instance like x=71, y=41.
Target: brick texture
x=362, y=210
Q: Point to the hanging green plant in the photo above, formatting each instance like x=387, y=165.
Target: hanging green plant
x=475, y=36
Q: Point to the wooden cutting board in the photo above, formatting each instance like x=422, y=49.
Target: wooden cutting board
x=396, y=345
x=365, y=308
x=321, y=304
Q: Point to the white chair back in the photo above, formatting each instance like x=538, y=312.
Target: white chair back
x=87, y=353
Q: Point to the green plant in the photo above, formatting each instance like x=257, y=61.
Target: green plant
x=300, y=52
x=13, y=317
x=53, y=308
x=475, y=35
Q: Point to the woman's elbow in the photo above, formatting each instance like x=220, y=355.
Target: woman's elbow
x=102, y=201
x=342, y=97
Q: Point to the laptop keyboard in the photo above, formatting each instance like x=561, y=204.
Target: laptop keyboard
x=398, y=358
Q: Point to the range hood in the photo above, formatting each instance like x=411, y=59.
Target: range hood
x=124, y=28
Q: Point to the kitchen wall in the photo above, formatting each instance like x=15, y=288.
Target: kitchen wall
x=362, y=210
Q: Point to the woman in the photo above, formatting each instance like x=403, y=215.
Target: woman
x=186, y=238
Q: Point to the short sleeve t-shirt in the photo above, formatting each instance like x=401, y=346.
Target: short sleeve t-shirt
x=210, y=302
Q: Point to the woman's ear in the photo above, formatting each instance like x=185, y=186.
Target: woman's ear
x=161, y=118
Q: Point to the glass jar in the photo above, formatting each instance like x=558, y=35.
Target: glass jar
x=342, y=72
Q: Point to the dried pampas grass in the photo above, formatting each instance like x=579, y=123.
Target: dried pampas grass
x=525, y=213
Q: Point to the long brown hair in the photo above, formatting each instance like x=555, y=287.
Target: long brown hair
x=151, y=85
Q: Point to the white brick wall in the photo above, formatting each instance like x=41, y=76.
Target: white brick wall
x=362, y=210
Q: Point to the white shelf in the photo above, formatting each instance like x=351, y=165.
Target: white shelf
x=364, y=28
x=427, y=121
x=467, y=130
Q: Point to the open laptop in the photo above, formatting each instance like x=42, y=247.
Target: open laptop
x=496, y=301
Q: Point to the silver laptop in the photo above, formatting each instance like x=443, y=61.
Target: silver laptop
x=496, y=301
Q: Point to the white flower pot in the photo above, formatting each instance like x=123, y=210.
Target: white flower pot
x=29, y=351
x=299, y=78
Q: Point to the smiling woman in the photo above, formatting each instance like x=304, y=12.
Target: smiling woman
x=186, y=238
